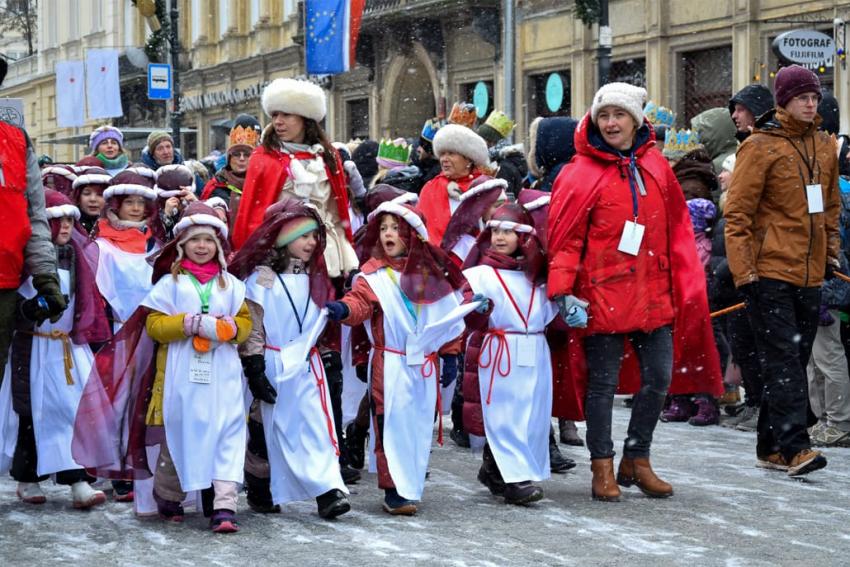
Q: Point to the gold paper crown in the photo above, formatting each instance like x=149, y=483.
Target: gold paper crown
x=677, y=143
x=500, y=122
x=464, y=114
x=659, y=115
x=241, y=136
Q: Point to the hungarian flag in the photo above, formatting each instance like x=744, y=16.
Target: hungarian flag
x=332, y=27
x=70, y=94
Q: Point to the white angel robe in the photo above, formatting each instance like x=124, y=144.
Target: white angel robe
x=123, y=279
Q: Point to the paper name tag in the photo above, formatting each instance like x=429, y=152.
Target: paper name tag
x=200, y=368
x=631, y=238
x=814, y=196
x=526, y=350
x=415, y=353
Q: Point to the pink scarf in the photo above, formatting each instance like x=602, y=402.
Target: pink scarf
x=202, y=272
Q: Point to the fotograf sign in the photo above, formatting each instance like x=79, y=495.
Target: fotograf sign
x=808, y=48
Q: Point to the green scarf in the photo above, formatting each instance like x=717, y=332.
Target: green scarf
x=116, y=163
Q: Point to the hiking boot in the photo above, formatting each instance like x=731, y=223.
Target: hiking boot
x=84, y=496
x=522, y=493
x=258, y=491
x=224, y=522
x=639, y=472
x=355, y=438
x=569, y=433
x=349, y=475
x=558, y=463
x=489, y=474
x=396, y=505
x=31, y=493
x=829, y=436
x=730, y=398
x=604, y=487
x=169, y=510
x=806, y=461
x=122, y=491
x=680, y=409
x=774, y=462
x=333, y=503
x=707, y=412
x=751, y=420
x=460, y=437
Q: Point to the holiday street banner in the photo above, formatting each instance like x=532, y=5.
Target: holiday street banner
x=70, y=93
x=102, y=87
x=332, y=30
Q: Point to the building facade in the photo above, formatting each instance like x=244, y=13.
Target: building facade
x=416, y=57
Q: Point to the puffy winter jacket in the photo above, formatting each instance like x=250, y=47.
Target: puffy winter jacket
x=717, y=133
x=769, y=231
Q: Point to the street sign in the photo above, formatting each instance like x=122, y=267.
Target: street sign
x=159, y=81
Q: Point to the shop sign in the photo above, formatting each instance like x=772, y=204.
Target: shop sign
x=808, y=48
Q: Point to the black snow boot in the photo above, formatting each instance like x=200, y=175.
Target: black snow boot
x=332, y=503
x=355, y=439
x=260, y=495
x=558, y=463
x=522, y=493
x=489, y=474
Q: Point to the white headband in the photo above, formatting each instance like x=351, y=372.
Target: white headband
x=510, y=225
x=61, y=211
x=409, y=216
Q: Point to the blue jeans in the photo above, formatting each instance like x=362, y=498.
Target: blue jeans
x=604, y=357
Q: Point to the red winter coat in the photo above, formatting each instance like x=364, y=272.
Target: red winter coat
x=266, y=176
x=14, y=217
x=434, y=204
x=663, y=284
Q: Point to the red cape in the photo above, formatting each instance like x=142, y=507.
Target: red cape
x=267, y=173
x=434, y=204
x=696, y=364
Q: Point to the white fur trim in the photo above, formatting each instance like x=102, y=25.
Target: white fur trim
x=531, y=159
x=143, y=171
x=510, y=225
x=401, y=211
x=630, y=98
x=201, y=219
x=166, y=193
x=729, y=162
x=172, y=167
x=295, y=97
x=55, y=170
x=406, y=198
x=91, y=179
x=462, y=140
x=486, y=186
x=537, y=203
x=61, y=211
x=217, y=202
x=129, y=189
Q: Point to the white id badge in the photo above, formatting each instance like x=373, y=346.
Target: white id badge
x=814, y=196
x=200, y=367
x=631, y=238
x=526, y=353
x=415, y=353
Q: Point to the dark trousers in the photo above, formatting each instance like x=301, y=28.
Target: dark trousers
x=25, y=460
x=784, y=319
x=8, y=304
x=604, y=357
x=746, y=355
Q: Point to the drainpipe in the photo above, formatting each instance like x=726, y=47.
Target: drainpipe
x=508, y=58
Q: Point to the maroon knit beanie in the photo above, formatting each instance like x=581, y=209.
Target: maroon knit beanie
x=792, y=81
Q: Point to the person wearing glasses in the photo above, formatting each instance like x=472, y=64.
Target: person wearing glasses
x=782, y=242
x=228, y=181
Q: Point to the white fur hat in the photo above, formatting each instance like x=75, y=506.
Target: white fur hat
x=630, y=98
x=293, y=96
x=462, y=140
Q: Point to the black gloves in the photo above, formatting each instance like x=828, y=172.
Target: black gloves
x=449, y=371
x=332, y=361
x=50, y=303
x=750, y=293
x=830, y=271
x=337, y=310
x=254, y=367
x=362, y=371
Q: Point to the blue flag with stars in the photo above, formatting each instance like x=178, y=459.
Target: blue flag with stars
x=327, y=35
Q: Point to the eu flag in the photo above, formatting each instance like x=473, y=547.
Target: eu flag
x=331, y=31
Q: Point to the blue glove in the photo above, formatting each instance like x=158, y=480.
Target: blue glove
x=485, y=303
x=573, y=310
x=449, y=371
x=337, y=310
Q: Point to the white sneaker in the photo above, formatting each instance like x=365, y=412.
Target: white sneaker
x=829, y=436
x=85, y=496
x=30, y=492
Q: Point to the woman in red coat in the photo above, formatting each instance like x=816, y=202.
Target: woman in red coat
x=463, y=154
x=623, y=269
x=296, y=157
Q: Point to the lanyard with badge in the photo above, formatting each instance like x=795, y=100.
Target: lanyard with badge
x=814, y=192
x=526, y=346
x=200, y=365
x=632, y=231
x=298, y=318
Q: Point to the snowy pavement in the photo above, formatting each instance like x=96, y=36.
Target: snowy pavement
x=725, y=512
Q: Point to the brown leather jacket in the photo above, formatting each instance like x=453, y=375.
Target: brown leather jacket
x=769, y=231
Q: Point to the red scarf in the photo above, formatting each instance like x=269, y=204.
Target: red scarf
x=202, y=272
x=130, y=240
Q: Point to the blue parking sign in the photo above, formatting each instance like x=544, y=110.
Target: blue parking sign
x=159, y=81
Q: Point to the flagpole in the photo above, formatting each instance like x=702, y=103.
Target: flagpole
x=176, y=115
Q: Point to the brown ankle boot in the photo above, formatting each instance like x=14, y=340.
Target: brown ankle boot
x=638, y=471
x=604, y=485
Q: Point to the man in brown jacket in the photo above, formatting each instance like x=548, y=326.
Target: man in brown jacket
x=782, y=241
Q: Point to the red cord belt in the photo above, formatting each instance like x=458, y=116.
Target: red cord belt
x=495, y=360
